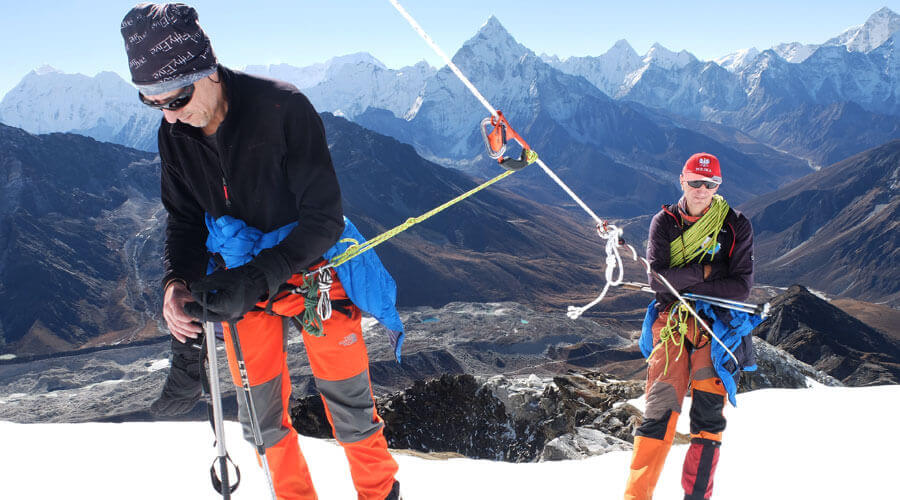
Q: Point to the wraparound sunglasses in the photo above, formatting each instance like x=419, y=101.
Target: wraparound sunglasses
x=175, y=103
x=697, y=184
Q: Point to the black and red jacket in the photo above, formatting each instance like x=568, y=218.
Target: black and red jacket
x=272, y=168
x=731, y=276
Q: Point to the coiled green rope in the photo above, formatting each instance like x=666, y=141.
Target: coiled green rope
x=701, y=238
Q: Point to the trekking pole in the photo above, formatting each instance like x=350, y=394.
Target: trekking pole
x=251, y=408
x=758, y=309
x=222, y=485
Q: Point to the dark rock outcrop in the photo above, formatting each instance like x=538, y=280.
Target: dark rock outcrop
x=453, y=413
x=817, y=333
x=778, y=369
x=500, y=418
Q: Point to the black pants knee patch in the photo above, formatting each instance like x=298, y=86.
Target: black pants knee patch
x=706, y=412
x=654, y=428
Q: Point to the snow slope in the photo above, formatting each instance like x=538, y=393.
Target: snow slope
x=780, y=443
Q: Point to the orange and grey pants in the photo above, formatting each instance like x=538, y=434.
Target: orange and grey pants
x=677, y=364
x=340, y=365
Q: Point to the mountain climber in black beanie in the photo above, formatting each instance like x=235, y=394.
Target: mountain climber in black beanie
x=251, y=153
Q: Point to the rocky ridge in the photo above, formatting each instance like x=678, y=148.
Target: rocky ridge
x=815, y=332
x=450, y=395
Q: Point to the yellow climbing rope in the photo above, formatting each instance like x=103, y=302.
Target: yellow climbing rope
x=675, y=330
x=357, y=249
x=701, y=238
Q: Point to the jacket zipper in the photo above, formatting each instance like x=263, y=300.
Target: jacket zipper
x=221, y=154
x=225, y=190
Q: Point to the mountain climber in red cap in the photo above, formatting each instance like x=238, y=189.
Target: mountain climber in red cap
x=249, y=155
x=703, y=246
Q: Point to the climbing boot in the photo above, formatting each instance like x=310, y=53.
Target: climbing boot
x=395, y=492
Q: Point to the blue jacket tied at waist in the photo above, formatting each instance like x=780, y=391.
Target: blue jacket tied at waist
x=365, y=279
x=733, y=328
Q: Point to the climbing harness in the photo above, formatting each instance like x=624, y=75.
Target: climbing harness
x=609, y=232
x=316, y=290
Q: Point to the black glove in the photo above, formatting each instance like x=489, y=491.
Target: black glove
x=227, y=294
x=182, y=389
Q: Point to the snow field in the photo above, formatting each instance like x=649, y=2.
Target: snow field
x=818, y=443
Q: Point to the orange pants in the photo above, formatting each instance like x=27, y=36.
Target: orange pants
x=340, y=365
x=672, y=369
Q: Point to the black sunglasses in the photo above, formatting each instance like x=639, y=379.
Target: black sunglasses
x=175, y=103
x=697, y=184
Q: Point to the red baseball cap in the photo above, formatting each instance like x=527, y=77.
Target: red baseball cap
x=703, y=165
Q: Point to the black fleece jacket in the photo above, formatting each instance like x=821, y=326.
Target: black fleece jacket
x=272, y=168
x=731, y=276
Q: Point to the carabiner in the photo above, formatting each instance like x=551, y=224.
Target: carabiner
x=496, y=140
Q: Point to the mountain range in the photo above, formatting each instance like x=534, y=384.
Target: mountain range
x=833, y=229
x=820, y=103
x=81, y=225
x=104, y=107
x=617, y=155
x=836, y=230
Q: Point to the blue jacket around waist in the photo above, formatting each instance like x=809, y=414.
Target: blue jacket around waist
x=365, y=279
x=733, y=328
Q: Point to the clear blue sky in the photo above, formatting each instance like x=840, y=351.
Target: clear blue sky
x=83, y=36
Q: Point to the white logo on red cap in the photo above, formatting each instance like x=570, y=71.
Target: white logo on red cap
x=703, y=165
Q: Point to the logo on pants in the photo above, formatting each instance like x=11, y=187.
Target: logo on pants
x=348, y=340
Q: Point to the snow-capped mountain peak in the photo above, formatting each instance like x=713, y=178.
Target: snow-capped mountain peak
x=493, y=42
x=305, y=77
x=665, y=58
x=863, y=38
x=356, y=58
x=104, y=107
x=874, y=32
x=794, y=52
x=736, y=61
x=46, y=69
x=493, y=27
x=606, y=72
x=623, y=48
